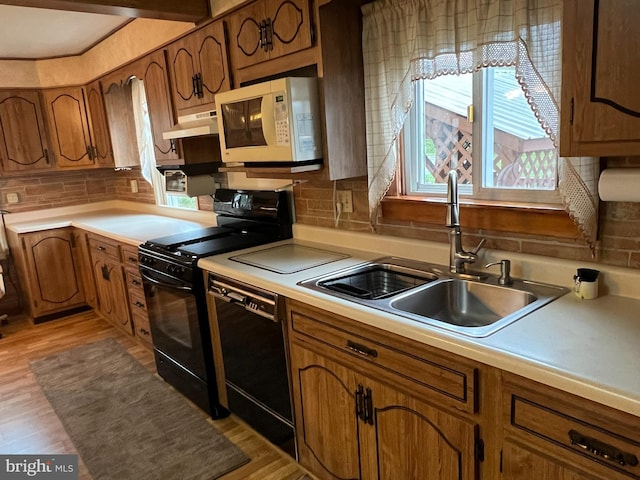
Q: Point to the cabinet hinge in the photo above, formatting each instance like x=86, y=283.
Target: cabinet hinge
x=479, y=450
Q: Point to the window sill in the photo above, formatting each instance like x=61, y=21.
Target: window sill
x=542, y=220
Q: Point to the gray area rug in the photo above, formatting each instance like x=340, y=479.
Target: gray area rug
x=128, y=424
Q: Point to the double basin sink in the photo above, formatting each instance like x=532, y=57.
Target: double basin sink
x=473, y=304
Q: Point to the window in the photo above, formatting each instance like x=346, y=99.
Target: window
x=144, y=139
x=481, y=125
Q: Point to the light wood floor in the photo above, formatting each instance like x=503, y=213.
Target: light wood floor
x=28, y=424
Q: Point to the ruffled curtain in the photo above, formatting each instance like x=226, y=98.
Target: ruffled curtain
x=407, y=40
x=145, y=140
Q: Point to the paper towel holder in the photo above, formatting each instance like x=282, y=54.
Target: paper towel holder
x=619, y=184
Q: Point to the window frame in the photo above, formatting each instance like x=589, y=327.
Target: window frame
x=482, y=87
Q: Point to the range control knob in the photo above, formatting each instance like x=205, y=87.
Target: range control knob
x=175, y=270
x=146, y=260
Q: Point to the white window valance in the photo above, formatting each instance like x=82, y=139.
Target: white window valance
x=406, y=40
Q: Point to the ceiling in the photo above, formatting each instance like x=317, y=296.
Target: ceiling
x=37, y=33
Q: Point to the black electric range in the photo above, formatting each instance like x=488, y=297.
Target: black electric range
x=175, y=293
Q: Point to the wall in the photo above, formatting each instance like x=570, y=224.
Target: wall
x=619, y=224
x=132, y=41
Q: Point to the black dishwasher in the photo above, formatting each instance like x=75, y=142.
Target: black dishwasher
x=252, y=338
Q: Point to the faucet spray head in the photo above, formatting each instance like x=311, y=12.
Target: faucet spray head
x=453, y=213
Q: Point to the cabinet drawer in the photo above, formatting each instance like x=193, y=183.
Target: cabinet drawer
x=104, y=247
x=564, y=429
x=134, y=282
x=141, y=327
x=136, y=299
x=130, y=256
x=434, y=377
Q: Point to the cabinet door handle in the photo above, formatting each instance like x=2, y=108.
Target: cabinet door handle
x=361, y=349
x=602, y=449
x=268, y=32
x=368, y=407
x=196, y=81
x=263, y=35
x=89, y=152
x=144, y=331
x=194, y=85
x=360, y=402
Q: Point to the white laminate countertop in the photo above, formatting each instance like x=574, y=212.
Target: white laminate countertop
x=126, y=222
x=589, y=348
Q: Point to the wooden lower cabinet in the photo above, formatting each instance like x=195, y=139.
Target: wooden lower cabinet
x=110, y=282
x=136, y=298
x=49, y=270
x=353, y=421
x=353, y=427
x=553, y=435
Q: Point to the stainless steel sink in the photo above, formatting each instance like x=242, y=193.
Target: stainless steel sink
x=471, y=304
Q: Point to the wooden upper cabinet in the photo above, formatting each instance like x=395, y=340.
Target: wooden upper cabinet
x=69, y=127
x=199, y=68
x=268, y=29
x=102, y=151
x=155, y=77
x=23, y=141
x=600, y=98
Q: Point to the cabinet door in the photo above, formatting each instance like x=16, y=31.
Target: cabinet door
x=520, y=463
x=83, y=259
x=600, y=101
x=245, y=36
x=54, y=280
x=112, y=292
x=23, y=145
x=327, y=426
x=102, y=151
x=69, y=127
x=407, y=438
x=183, y=68
x=152, y=70
x=211, y=52
x=290, y=26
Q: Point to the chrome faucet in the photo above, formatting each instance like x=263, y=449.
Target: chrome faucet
x=458, y=257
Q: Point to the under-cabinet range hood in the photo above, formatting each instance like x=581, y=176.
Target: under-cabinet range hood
x=197, y=124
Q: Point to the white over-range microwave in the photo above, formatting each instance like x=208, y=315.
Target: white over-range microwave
x=274, y=121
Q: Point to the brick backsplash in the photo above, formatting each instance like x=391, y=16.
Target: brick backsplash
x=619, y=224
x=63, y=189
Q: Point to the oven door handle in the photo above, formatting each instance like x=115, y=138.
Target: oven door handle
x=150, y=279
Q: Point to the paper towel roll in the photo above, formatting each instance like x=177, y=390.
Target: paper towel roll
x=619, y=185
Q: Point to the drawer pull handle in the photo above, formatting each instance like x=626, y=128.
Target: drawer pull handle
x=361, y=349
x=135, y=282
x=601, y=449
x=101, y=248
x=139, y=304
x=144, y=331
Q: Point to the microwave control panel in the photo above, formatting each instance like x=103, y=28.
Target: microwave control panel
x=282, y=120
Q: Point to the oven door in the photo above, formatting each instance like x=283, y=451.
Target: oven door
x=174, y=320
